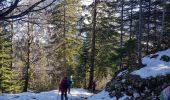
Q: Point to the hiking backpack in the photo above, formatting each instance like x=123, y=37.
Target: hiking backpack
x=66, y=84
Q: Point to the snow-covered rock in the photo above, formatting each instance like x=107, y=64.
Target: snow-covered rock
x=143, y=84
x=122, y=73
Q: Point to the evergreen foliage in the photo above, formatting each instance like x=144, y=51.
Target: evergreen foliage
x=128, y=54
x=8, y=82
x=66, y=41
x=81, y=70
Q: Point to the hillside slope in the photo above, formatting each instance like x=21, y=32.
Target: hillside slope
x=154, y=65
x=143, y=84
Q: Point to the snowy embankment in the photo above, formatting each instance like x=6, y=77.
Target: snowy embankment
x=154, y=66
x=104, y=95
x=76, y=94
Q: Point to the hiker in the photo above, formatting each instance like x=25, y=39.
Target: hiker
x=63, y=87
x=94, y=86
x=69, y=83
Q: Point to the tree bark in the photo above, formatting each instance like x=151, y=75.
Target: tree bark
x=64, y=35
x=91, y=77
x=163, y=23
x=131, y=20
x=121, y=33
x=12, y=33
x=7, y=13
x=148, y=28
x=140, y=33
x=29, y=41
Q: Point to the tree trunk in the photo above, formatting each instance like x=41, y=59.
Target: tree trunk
x=121, y=33
x=85, y=64
x=64, y=35
x=148, y=26
x=155, y=28
x=140, y=33
x=91, y=77
x=163, y=24
x=29, y=41
x=12, y=33
x=27, y=69
x=131, y=19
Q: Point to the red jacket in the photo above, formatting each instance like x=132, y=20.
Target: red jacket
x=62, y=88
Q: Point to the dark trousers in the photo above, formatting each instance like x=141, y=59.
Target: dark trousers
x=69, y=90
x=94, y=89
x=64, y=94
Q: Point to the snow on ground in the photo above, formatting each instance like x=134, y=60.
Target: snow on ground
x=104, y=95
x=76, y=94
x=154, y=66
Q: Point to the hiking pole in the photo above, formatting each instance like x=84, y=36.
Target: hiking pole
x=58, y=95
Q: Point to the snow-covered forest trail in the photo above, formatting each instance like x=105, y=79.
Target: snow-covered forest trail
x=76, y=94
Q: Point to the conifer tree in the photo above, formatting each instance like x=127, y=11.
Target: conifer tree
x=66, y=40
x=8, y=83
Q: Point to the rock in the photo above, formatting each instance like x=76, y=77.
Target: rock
x=119, y=94
x=165, y=84
x=136, y=95
x=123, y=80
x=154, y=56
x=113, y=93
x=136, y=87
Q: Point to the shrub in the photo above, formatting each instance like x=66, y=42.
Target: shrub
x=165, y=58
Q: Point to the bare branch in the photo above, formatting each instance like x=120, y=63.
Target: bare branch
x=11, y=8
x=8, y=13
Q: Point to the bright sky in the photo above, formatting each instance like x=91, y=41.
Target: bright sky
x=87, y=2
